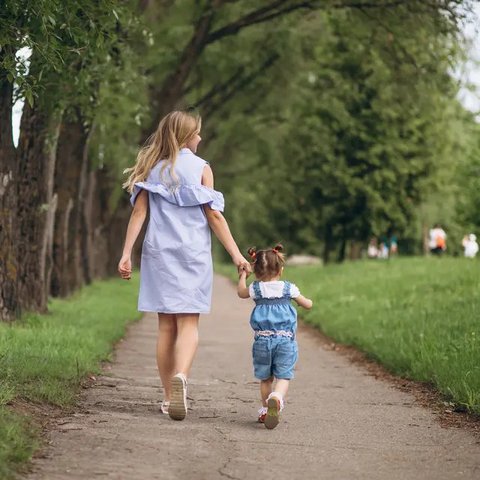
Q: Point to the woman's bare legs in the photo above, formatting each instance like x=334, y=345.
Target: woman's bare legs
x=187, y=341
x=167, y=336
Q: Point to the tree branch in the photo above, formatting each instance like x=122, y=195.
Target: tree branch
x=237, y=85
x=219, y=88
x=257, y=16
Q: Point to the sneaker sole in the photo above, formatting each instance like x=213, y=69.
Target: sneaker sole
x=178, y=408
x=272, y=418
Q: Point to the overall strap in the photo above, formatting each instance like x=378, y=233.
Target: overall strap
x=286, y=289
x=256, y=289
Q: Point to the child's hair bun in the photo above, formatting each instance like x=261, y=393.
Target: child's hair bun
x=252, y=251
x=278, y=247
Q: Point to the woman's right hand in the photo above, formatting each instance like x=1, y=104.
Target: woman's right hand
x=125, y=267
x=242, y=264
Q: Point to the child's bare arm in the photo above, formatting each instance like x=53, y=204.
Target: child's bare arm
x=304, y=302
x=242, y=289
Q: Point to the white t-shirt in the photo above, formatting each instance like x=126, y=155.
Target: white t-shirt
x=471, y=248
x=435, y=234
x=273, y=289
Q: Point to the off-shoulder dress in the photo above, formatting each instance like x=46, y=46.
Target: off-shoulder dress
x=176, y=271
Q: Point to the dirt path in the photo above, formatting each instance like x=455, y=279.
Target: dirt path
x=339, y=422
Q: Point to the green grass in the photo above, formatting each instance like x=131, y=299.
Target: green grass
x=420, y=317
x=44, y=358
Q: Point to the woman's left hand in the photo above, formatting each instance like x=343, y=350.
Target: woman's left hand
x=242, y=264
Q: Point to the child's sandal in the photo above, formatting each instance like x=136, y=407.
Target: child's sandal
x=262, y=413
x=274, y=407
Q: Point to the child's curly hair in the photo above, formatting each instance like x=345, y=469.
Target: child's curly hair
x=267, y=263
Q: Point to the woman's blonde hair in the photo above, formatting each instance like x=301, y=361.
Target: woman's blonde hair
x=174, y=131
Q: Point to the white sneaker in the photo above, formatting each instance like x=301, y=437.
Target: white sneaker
x=178, y=403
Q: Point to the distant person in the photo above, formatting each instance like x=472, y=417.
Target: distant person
x=372, y=250
x=470, y=245
x=274, y=322
x=383, y=249
x=393, y=245
x=437, y=242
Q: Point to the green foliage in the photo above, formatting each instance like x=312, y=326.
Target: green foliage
x=44, y=358
x=18, y=441
x=468, y=178
x=346, y=137
x=359, y=101
x=70, y=43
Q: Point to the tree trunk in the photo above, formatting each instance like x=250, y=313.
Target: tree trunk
x=36, y=204
x=342, y=250
x=105, y=229
x=164, y=98
x=70, y=185
x=328, y=244
x=88, y=228
x=9, y=306
x=355, y=250
x=99, y=251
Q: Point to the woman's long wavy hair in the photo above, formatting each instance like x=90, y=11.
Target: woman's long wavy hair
x=174, y=131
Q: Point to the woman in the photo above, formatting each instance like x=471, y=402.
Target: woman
x=176, y=274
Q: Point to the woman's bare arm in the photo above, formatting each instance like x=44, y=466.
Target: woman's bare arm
x=220, y=226
x=137, y=218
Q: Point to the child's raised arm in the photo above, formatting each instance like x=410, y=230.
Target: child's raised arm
x=242, y=288
x=304, y=302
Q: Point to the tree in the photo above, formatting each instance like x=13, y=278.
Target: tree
x=69, y=45
x=366, y=121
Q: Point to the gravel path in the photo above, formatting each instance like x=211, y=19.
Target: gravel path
x=339, y=423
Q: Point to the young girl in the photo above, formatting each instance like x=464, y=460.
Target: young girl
x=274, y=321
x=176, y=187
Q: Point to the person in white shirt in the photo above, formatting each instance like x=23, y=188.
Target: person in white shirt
x=437, y=240
x=470, y=245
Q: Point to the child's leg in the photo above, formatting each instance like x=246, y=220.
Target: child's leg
x=167, y=334
x=281, y=387
x=187, y=342
x=266, y=389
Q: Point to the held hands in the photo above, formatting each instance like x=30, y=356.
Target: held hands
x=243, y=265
x=243, y=274
x=125, y=267
x=244, y=270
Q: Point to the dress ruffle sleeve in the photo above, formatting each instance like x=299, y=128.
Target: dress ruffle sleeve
x=183, y=195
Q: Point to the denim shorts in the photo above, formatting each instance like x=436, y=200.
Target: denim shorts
x=274, y=356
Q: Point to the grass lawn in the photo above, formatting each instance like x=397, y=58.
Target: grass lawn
x=43, y=358
x=420, y=317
